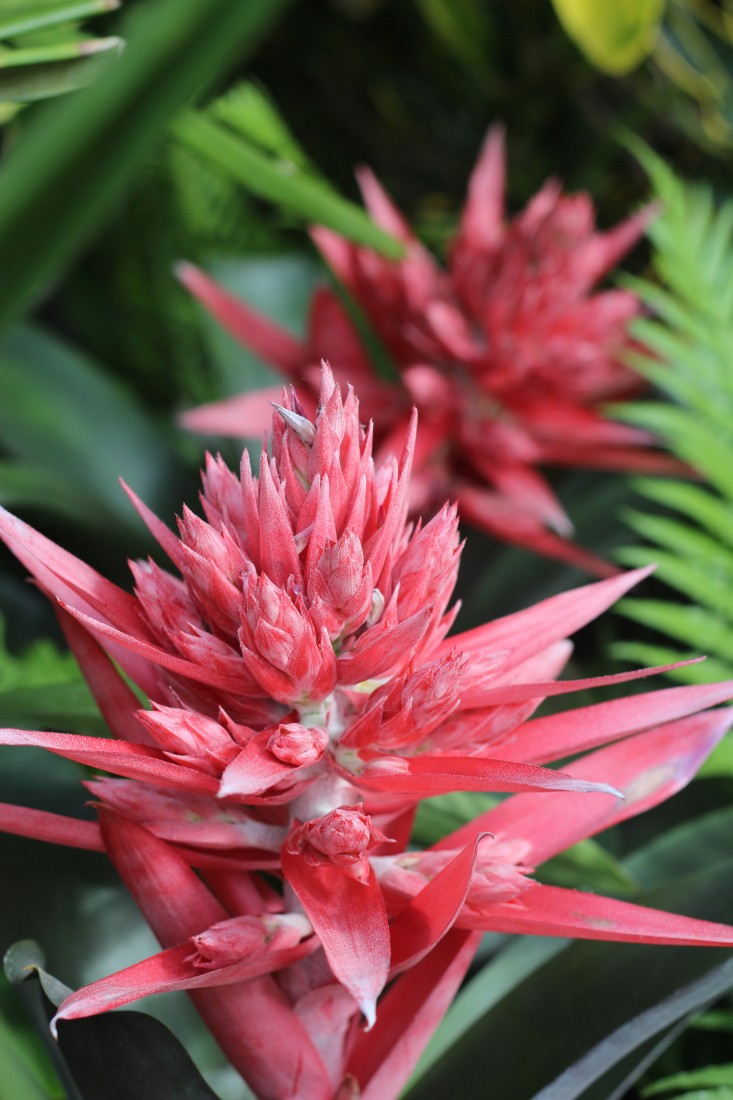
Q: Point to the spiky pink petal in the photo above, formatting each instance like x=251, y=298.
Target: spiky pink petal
x=647, y=769
x=52, y=828
x=133, y=761
x=427, y=917
x=351, y=922
x=557, y=735
x=168, y=972
x=49, y=563
x=554, y=911
x=424, y=776
x=117, y=703
x=524, y=633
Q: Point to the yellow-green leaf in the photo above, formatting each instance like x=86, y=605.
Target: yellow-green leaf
x=616, y=35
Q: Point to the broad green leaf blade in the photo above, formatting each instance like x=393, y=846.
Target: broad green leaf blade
x=615, y=37
x=78, y=155
x=149, y=1061
x=579, y=1004
x=589, y=866
x=61, y=413
x=436, y=817
x=704, y=841
x=281, y=182
x=21, y=20
x=22, y=484
x=24, y=1070
x=64, y=706
x=24, y=960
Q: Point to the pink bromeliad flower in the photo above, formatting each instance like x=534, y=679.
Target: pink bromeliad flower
x=304, y=698
x=509, y=354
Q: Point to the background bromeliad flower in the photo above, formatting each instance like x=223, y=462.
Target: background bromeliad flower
x=304, y=698
x=509, y=353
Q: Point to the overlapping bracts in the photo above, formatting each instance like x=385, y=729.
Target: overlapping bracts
x=304, y=696
x=509, y=353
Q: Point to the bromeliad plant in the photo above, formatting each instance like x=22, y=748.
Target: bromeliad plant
x=304, y=699
x=509, y=354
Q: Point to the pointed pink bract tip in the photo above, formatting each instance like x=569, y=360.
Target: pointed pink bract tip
x=187, y=273
x=369, y=1011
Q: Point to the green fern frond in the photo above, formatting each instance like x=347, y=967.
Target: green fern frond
x=688, y=356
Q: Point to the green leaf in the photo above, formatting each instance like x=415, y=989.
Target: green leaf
x=683, y=850
x=720, y=761
x=44, y=688
x=615, y=37
x=281, y=287
x=436, y=817
x=718, y=1020
x=681, y=574
x=690, y=439
x=615, y=1084
x=680, y=538
x=251, y=112
x=37, y=74
x=60, y=413
x=696, y=502
x=707, y=1077
x=22, y=20
x=77, y=155
x=24, y=966
x=149, y=1061
x=22, y=484
x=282, y=182
x=63, y=51
x=588, y=865
x=703, y=630
x=23, y=1075
x=689, y=358
x=26, y=959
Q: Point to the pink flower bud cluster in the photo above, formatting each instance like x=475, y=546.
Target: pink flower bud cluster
x=304, y=699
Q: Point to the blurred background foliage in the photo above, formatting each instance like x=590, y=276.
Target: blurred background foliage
x=216, y=135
